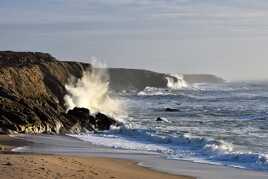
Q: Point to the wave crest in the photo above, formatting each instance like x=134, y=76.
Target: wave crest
x=152, y=91
x=176, y=81
x=178, y=147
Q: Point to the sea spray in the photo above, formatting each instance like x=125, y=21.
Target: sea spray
x=176, y=81
x=92, y=91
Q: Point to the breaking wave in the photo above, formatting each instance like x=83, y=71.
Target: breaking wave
x=152, y=91
x=176, y=81
x=92, y=92
x=181, y=146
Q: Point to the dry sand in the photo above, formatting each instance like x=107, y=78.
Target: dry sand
x=17, y=166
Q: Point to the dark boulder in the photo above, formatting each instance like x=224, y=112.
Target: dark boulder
x=104, y=122
x=81, y=116
x=79, y=112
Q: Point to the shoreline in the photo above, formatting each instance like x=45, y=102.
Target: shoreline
x=70, y=146
x=35, y=165
x=67, y=145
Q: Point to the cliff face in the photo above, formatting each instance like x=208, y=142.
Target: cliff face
x=133, y=79
x=32, y=90
x=33, y=75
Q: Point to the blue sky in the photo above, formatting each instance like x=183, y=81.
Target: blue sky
x=224, y=37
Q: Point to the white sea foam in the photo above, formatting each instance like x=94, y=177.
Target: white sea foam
x=152, y=91
x=174, y=82
x=177, y=82
x=184, y=147
x=113, y=141
x=220, y=146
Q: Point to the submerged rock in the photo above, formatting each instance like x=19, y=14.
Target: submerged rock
x=171, y=110
x=161, y=119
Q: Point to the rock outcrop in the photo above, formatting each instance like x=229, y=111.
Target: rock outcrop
x=85, y=121
x=32, y=91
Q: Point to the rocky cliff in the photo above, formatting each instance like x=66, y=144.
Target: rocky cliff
x=32, y=91
x=32, y=87
x=134, y=79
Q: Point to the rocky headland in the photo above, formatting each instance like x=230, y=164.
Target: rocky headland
x=32, y=90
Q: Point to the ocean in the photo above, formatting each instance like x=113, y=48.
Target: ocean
x=221, y=124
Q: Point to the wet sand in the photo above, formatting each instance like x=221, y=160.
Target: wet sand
x=29, y=165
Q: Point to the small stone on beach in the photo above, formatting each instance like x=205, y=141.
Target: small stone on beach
x=8, y=163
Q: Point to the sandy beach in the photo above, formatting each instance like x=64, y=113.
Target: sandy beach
x=20, y=165
x=61, y=156
x=66, y=147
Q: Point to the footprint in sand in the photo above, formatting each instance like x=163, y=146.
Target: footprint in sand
x=94, y=173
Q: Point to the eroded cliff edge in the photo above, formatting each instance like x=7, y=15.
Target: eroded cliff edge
x=32, y=87
x=32, y=90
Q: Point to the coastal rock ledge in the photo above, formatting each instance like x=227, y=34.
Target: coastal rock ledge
x=31, y=96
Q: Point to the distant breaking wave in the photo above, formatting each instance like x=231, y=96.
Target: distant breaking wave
x=174, y=82
x=177, y=82
x=152, y=91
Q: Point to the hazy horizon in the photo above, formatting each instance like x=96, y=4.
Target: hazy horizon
x=226, y=38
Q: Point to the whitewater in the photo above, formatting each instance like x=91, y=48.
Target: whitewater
x=221, y=124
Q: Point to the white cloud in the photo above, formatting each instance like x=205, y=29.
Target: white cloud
x=120, y=10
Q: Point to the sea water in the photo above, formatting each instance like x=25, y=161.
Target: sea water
x=222, y=124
